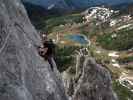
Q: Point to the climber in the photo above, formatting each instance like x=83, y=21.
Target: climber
x=47, y=51
x=42, y=51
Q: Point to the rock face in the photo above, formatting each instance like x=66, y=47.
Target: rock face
x=91, y=82
x=24, y=75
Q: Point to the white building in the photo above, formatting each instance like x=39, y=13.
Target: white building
x=113, y=23
x=99, y=13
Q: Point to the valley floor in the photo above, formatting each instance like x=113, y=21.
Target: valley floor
x=110, y=44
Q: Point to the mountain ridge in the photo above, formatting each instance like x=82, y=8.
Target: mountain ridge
x=68, y=5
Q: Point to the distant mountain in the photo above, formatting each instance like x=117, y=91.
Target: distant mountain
x=68, y=5
x=50, y=4
x=38, y=13
x=34, y=10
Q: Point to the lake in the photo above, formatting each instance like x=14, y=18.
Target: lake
x=82, y=39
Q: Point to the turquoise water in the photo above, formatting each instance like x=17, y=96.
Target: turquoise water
x=77, y=38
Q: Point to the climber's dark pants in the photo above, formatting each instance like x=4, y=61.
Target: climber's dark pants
x=50, y=62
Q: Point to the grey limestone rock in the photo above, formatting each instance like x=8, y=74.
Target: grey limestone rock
x=24, y=75
x=94, y=83
x=90, y=82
